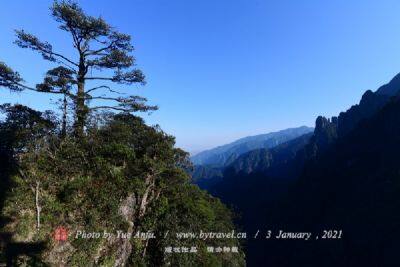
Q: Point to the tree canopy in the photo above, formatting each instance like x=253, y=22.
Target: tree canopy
x=111, y=173
x=104, y=57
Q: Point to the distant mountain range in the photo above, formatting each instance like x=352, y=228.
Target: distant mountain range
x=260, y=160
x=344, y=175
x=225, y=155
x=255, y=161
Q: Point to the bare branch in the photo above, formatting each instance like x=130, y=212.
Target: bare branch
x=98, y=87
x=111, y=107
x=103, y=98
x=103, y=87
x=98, y=52
x=99, y=78
x=66, y=59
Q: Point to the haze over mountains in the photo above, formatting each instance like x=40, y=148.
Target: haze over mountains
x=261, y=159
x=210, y=165
x=226, y=154
x=343, y=175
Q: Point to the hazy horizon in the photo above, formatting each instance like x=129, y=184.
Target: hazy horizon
x=222, y=70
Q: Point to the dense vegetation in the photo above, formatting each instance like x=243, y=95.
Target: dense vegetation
x=92, y=171
x=123, y=175
x=88, y=168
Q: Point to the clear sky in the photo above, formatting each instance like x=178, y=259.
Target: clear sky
x=224, y=69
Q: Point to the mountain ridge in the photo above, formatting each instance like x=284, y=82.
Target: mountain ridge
x=352, y=186
x=225, y=154
x=260, y=190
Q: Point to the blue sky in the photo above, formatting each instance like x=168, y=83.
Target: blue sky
x=223, y=69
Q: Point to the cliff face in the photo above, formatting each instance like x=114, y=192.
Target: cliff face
x=353, y=186
x=263, y=178
x=370, y=103
x=391, y=88
x=325, y=134
x=327, y=131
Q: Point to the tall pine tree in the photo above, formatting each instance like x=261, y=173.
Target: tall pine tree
x=104, y=57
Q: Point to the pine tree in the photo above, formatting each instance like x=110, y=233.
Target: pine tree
x=100, y=49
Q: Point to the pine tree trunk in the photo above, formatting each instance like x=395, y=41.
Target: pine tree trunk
x=64, y=118
x=81, y=109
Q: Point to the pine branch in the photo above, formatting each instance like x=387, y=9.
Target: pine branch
x=26, y=40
